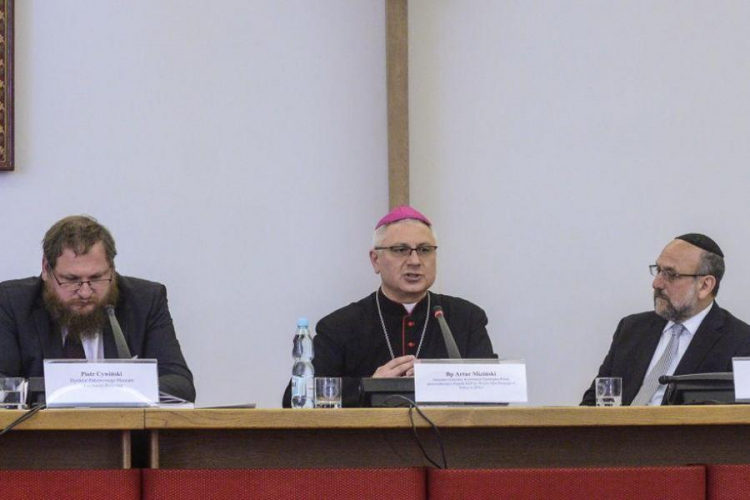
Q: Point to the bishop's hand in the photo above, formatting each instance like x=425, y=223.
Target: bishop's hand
x=397, y=367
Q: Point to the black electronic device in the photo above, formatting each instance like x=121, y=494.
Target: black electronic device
x=386, y=392
x=35, y=391
x=699, y=389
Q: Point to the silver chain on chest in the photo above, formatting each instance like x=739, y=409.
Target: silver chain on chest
x=385, y=331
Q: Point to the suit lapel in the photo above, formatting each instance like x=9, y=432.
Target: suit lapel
x=703, y=341
x=49, y=337
x=645, y=351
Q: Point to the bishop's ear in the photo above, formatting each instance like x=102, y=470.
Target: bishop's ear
x=374, y=261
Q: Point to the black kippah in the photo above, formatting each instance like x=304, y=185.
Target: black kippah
x=703, y=242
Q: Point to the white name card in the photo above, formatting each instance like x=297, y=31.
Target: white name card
x=741, y=368
x=446, y=381
x=104, y=383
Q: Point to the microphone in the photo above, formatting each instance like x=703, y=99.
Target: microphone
x=665, y=379
x=450, y=342
x=123, y=352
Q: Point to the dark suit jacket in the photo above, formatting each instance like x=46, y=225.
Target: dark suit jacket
x=720, y=337
x=27, y=334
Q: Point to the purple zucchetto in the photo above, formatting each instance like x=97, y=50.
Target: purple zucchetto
x=400, y=213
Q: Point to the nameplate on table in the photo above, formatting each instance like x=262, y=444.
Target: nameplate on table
x=485, y=381
x=741, y=369
x=103, y=383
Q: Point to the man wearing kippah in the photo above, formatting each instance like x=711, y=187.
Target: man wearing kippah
x=382, y=334
x=686, y=333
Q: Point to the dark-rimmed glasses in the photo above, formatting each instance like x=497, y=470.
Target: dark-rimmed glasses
x=670, y=275
x=74, y=286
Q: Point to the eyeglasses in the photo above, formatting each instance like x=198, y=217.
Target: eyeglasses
x=670, y=275
x=74, y=286
x=404, y=251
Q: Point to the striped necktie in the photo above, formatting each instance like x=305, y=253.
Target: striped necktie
x=651, y=382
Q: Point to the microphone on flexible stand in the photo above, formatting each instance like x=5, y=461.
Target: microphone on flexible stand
x=123, y=352
x=450, y=342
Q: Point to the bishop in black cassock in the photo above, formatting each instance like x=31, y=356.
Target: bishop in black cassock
x=382, y=334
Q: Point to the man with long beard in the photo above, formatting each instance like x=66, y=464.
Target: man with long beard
x=686, y=333
x=63, y=312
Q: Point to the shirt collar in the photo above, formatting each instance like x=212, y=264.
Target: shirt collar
x=397, y=309
x=693, y=323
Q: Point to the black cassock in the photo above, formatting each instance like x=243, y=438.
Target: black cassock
x=351, y=343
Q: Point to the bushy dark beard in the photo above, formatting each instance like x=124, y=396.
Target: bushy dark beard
x=79, y=325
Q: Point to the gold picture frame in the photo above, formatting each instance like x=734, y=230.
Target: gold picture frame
x=6, y=84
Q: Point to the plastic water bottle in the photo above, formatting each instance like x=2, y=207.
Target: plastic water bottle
x=303, y=373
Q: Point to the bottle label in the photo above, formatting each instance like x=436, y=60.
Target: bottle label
x=299, y=387
x=303, y=392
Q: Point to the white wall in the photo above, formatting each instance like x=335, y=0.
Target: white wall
x=237, y=151
x=560, y=145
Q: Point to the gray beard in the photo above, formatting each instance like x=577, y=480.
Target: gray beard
x=671, y=313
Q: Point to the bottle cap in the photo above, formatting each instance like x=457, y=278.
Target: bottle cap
x=302, y=323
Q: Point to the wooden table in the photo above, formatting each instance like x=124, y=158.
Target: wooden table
x=474, y=437
x=70, y=439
